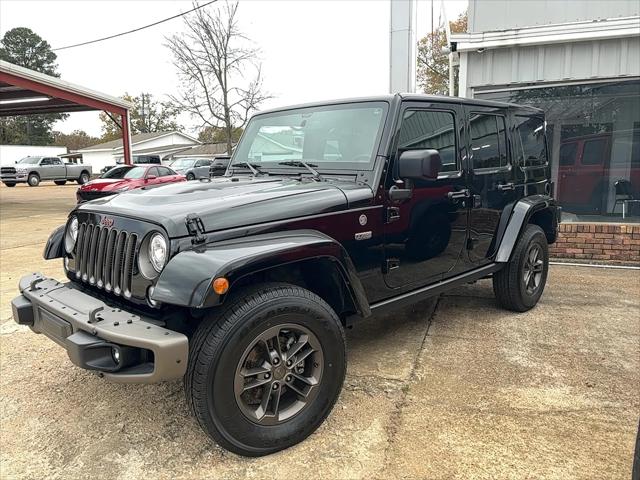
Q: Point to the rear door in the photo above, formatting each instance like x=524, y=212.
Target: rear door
x=425, y=235
x=491, y=180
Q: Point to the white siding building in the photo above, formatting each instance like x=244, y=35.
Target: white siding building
x=163, y=144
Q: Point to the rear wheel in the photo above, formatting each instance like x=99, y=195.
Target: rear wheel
x=33, y=180
x=191, y=176
x=519, y=285
x=9, y=184
x=60, y=182
x=266, y=372
x=83, y=178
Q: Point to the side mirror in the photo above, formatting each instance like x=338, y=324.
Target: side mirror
x=419, y=164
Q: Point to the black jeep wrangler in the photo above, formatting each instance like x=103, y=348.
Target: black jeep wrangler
x=328, y=213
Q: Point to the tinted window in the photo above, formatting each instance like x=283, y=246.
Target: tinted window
x=568, y=154
x=45, y=161
x=531, y=149
x=488, y=141
x=203, y=163
x=594, y=151
x=164, y=171
x=426, y=129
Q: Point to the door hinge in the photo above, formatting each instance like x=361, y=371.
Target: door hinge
x=390, y=264
x=393, y=214
x=195, y=227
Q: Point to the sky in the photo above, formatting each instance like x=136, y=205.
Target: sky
x=310, y=50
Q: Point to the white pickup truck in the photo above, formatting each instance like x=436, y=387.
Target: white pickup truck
x=33, y=170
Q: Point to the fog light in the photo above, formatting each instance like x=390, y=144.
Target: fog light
x=115, y=354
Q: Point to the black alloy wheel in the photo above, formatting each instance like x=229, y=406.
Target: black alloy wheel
x=266, y=370
x=279, y=374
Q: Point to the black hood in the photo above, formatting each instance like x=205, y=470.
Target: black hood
x=230, y=202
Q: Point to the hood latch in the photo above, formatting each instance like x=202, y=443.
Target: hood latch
x=195, y=227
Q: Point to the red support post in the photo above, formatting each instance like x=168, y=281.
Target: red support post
x=126, y=138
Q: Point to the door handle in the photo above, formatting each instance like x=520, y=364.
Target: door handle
x=458, y=195
x=503, y=187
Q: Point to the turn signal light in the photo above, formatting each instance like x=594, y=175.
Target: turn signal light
x=220, y=285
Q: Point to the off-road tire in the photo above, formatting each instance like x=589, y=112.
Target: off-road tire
x=9, y=184
x=220, y=343
x=191, y=176
x=83, y=178
x=60, y=182
x=33, y=179
x=508, y=283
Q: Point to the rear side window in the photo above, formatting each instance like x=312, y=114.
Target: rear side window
x=530, y=145
x=488, y=141
x=153, y=172
x=164, y=171
x=430, y=129
x=568, y=154
x=594, y=151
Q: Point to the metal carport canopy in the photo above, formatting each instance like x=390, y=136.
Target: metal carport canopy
x=27, y=92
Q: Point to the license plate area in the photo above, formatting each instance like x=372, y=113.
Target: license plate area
x=53, y=326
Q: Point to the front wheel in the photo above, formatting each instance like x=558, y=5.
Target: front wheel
x=9, y=184
x=33, y=180
x=190, y=176
x=264, y=374
x=519, y=285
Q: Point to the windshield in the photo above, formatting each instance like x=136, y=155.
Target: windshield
x=125, y=172
x=328, y=136
x=183, y=163
x=30, y=160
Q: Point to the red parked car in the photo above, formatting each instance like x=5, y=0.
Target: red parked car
x=127, y=177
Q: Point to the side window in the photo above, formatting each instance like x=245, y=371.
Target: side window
x=164, y=171
x=488, y=141
x=153, y=172
x=532, y=150
x=56, y=161
x=45, y=161
x=568, y=154
x=430, y=129
x=203, y=163
x=594, y=152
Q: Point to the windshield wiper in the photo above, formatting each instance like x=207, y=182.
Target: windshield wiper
x=302, y=163
x=254, y=167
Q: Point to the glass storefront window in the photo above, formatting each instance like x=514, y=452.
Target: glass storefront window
x=593, y=132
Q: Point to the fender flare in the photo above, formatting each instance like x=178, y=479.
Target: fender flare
x=517, y=217
x=54, y=248
x=186, y=279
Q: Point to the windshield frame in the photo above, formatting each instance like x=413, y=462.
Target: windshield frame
x=240, y=152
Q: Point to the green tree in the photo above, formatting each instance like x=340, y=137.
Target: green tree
x=432, y=66
x=147, y=116
x=219, y=135
x=22, y=47
x=75, y=140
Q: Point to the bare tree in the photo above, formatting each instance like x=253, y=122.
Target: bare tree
x=214, y=62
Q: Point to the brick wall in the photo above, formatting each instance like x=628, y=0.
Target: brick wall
x=598, y=242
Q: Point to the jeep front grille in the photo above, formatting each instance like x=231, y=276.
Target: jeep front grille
x=105, y=258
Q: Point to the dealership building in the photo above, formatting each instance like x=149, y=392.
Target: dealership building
x=580, y=63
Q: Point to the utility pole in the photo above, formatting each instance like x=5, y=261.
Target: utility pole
x=402, y=46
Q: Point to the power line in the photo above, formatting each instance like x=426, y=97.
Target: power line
x=134, y=30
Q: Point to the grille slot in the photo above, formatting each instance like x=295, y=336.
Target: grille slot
x=106, y=257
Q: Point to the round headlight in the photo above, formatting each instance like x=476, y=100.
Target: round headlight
x=71, y=235
x=158, y=252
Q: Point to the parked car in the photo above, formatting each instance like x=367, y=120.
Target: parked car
x=219, y=165
x=137, y=160
x=192, y=168
x=33, y=170
x=127, y=177
x=585, y=172
x=329, y=212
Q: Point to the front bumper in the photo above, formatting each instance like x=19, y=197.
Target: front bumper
x=13, y=178
x=90, y=331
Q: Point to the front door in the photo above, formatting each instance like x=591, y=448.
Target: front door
x=491, y=180
x=425, y=234
x=58, y=169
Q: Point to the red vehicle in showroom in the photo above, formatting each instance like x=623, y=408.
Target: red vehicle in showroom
x=127, y=177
